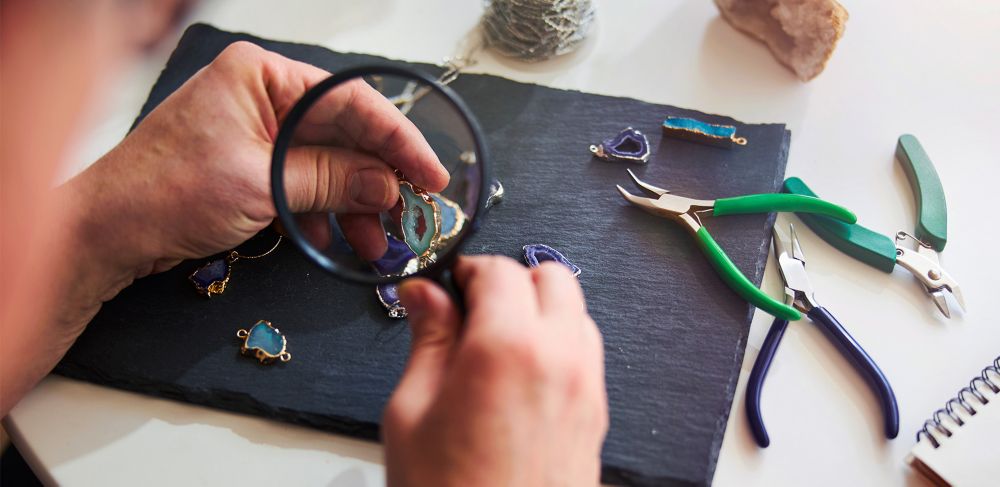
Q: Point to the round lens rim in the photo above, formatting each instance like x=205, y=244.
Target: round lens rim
x=283, y=142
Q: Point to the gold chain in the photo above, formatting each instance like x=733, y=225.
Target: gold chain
x=234, y=255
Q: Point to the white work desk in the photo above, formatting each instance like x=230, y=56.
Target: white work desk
x=922, y=67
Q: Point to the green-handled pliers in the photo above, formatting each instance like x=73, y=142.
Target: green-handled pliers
x=882, y=252
x=685, y=211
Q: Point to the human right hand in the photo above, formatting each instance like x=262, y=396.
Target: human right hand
x=511, y=394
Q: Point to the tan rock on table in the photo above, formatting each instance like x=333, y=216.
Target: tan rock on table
x=801, y=34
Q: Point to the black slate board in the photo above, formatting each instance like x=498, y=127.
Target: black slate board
x=674, y=333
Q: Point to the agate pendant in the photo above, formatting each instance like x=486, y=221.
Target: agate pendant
x=388, y=295
x=420, y=220
x=451, y=219
x=702, y=132
x=630, y=145
x=212, y=277
x=265, y=342
x=535, y=254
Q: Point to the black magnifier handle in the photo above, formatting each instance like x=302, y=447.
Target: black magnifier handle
x=446, y=279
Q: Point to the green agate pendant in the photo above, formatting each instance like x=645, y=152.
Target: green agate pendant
x=265, y=342
x=419, y=220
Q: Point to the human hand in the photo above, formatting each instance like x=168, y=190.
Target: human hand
x=513, y=396
x=193, y=179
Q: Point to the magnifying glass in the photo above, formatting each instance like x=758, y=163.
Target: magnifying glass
x=423, y=232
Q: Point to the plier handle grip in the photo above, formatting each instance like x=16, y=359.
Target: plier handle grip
x=686, y=211
x=885, y=253
x=799, y=293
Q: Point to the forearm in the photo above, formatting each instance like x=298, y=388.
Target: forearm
x=82, y=250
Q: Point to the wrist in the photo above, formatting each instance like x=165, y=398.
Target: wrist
x=104, y=249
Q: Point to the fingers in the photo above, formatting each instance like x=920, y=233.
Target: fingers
x=364, y=233
x=496, y=288
x=558, y=291
x=352, y=114
x=377, y=126
x=316, y=228
x=434, y=322
x=323, y=179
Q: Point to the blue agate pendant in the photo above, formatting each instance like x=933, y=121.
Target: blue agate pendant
x=452, y=219
x=703, y=132
x=535, y=254
x=212, y=277
x=630, y=145
x=265, y=342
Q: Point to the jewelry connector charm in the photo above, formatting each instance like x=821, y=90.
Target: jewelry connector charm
x=264, y=342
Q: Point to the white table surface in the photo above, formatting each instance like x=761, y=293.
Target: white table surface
x=923, y=67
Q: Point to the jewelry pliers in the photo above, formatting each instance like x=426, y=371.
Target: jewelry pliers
x=686, y=210
x=882, y=252
x=799, y=293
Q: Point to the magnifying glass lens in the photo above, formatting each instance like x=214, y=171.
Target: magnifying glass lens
x=362, y=173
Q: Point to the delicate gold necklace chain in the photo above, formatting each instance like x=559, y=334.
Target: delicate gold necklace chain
x=234, y=255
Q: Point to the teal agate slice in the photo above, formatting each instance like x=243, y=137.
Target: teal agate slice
x=698, y=131
x=419, y=220
x=265, y=338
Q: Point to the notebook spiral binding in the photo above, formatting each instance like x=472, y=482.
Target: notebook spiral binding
x=936, y=423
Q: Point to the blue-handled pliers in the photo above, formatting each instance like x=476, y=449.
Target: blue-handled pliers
x=799, y=293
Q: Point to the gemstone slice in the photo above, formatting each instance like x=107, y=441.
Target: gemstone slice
x=703, y=132
x=420, y=220
x=265, y=342
x=630, y=145
x=212, y=277
x=535, y=254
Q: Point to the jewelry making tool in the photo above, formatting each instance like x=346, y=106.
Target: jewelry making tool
x=213, y=276
x=702, y=132
x=884, y=253
x=535, y=254
x=630, y=145
x=686, y=212
x=265, y=342
x=799, y=293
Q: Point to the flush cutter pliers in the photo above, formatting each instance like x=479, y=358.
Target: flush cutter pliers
x=799, y=293
x=685, y=211
x=884, y=253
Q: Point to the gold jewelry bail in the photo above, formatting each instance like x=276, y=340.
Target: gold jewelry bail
x=241, y=333
x=740, y=140
x=285, y=356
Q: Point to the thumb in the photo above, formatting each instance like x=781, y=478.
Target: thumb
x=330, y=179
x=434, y=323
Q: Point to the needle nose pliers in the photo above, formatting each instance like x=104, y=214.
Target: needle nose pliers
x=883, y=252
x=686, y=210
x=799, y=293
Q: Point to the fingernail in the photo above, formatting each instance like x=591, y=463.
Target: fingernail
x=370, y=187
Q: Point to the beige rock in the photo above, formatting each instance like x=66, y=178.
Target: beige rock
x=800, y=33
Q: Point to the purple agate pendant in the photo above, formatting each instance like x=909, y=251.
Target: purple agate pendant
x=630, y=145
x=535, y=254
x=388, y=295
x=212, y=277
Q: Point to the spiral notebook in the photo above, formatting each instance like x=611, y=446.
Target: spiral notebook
x=958, y=445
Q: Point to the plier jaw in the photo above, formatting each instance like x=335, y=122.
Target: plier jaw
x=792, y=265
x=666, y=205
x=925, y=265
